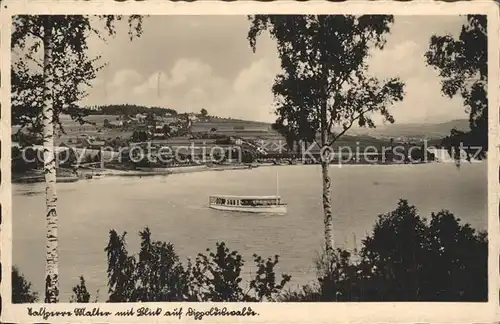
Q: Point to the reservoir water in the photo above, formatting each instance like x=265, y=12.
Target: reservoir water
x=175, y=209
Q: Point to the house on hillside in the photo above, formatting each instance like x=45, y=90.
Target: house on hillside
x=170, y=119
x=192, y=117
x=158, y=132
x=93, y=144
x=117, y=123
x=140, y=118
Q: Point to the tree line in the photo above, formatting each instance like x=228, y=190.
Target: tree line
x=130, y=110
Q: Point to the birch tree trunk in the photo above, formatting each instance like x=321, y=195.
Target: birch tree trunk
x=325, y=152
x=52, y=250
x=327, y=197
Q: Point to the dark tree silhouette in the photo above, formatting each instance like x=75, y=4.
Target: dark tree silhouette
x=407, y=258
x=290, y=137
x=463, y=65
x=21, y=289
x=129, y=110
x=156, y=274
x=324, y=82
x=80, y=292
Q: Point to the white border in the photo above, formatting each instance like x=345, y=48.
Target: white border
x=269, y=312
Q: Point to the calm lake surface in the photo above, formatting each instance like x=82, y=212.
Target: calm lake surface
x=175, y=209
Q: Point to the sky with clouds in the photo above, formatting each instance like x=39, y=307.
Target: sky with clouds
x=192, y=62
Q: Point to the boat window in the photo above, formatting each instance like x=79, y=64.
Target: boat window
x=247, y=202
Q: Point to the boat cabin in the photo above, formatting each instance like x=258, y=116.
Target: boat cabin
x=245, y=201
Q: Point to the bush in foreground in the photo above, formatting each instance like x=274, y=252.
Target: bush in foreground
x=405, y=258
x=21, y=289
x=156, y=274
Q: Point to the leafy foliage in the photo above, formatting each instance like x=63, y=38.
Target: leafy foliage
x=407, y=258
x=38, y=100
x=325, y=83
x=21, y=164
x=324, y=80
x=72, y=68
x=80, y=293
x=21, y=289
x=463, y=65
x=140, y=135
x=157, y=274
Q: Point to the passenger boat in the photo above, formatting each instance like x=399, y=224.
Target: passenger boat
x=249, y=204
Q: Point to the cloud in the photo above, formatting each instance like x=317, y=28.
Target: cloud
x=423, y=100
x=125, y=78
x=259, y=73
x=192, y=84
x=205, y=62
x=401, y=60
x=189, y=69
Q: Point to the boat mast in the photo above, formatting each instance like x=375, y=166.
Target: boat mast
x=277, y=185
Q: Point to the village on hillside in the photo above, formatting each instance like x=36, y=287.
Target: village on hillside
x=112, y=137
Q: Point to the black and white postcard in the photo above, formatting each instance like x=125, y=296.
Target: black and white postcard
x=252, y=162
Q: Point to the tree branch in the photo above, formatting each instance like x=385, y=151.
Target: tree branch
x=351, y=123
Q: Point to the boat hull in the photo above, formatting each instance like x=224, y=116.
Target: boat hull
x=280, y=209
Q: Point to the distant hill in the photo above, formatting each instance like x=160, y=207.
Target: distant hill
x=414, y=130
x=408, y=130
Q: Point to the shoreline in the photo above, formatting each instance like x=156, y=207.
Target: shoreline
x=97, y=173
